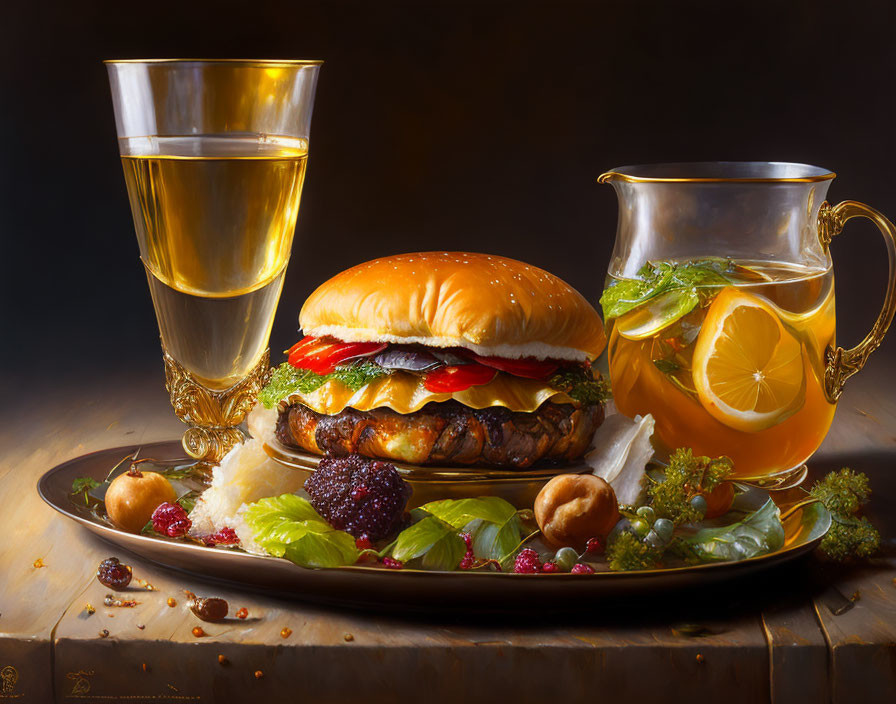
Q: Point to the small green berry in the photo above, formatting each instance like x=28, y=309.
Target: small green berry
x=647, y=514
x=664, y=528
x=565, y=558
x=640, y=527
x=699, y=503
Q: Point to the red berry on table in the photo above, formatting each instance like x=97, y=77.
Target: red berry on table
x=113, y=574
x=392, y=564
x=582, y=568
x=550, y=567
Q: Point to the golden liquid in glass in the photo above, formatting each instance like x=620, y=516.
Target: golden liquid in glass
x=215, y=217
x=803, y=300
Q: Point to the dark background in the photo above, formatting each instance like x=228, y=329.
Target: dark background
x=458, y=125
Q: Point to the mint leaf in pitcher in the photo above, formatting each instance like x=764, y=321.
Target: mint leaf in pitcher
x=684, y=285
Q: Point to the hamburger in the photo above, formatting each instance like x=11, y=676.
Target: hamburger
x=442, y=358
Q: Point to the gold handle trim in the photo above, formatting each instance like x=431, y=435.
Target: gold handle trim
x=840, y=363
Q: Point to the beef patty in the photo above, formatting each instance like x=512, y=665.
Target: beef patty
x=446, y=433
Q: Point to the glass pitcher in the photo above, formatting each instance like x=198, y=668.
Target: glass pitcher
x=720, y=309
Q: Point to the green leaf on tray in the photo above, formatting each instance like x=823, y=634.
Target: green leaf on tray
x=459, y=512
x=492, y=522
x=495, y=541
x=761, y=532
x=288, y=526
x=658, y=278
x=436, y=541
x=84, y=485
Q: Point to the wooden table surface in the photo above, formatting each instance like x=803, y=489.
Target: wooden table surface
x=806, y=631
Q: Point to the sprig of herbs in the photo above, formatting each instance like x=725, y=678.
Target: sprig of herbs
x=686, y=477
x=580, y=385
x=287, y=380
x=689, y=280
x=627, y=552
x=844, y=493
x=83, y=485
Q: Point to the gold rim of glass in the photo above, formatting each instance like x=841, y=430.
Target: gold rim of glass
x=728, y=172
x=248, y=62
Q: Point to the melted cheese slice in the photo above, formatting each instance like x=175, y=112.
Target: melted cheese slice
x=405, y=393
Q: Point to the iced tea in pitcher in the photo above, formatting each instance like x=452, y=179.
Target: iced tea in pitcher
x=720, y=308
x=728, y=356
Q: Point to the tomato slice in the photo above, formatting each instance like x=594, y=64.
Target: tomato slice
x=302, y=348
x=301, y=344
x=322, y=357
x=527, y=368
x=458, y=377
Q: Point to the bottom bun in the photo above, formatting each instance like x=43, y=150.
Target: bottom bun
x=446, y=433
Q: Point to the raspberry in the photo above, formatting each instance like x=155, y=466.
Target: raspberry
x=550, y=567
x=527, y=562
x=225, y=536
x=468, y=540
x=359, y=495
x=594, y=545
x=111, y=573
x=171, y=520
x=392, y=563
x=363, y=543
x=582, y=568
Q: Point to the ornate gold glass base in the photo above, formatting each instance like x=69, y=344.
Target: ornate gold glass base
x=213, y=416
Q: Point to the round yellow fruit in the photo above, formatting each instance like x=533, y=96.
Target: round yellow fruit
x=748, y=368
x=133, y=496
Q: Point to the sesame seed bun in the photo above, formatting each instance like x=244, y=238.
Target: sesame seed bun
x=491, y=305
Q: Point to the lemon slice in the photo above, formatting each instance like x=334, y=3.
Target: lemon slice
x=657, y=314
x=748, y=368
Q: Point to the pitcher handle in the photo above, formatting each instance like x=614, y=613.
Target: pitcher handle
x=840, y=364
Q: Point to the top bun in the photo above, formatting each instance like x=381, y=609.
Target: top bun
x=492, y=305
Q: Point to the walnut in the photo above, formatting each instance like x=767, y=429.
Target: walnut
x=571, y=508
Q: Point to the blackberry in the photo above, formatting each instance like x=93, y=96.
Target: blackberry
x=111, y=573
x=360, y=496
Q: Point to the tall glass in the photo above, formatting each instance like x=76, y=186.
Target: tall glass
x=214, y=155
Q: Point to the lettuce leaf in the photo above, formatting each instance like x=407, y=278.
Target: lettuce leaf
x=287, y=380
x=288, y=526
